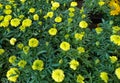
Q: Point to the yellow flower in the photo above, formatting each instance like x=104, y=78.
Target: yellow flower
x=7, y=17
x=65, y=46
x=70, y=20
x=74, y=64
x=83, y=24
x=114, y=12
x=33, y=42
x=79, y=36
x=12, y=59
x=98, y=30
x=115, y=39
x=22, y=63
x=32, y=10
x=20, y=45
x=71, y=14
x=71, y=9
x=21, y=16
x=117, y=72
x=52, y=31
x=1, y=5
x=80, y=79
x=26, y=49
x=40, y=22
x=13, y=74
x=8, y=7
x=5, y=23
x=58, y=75
x=73, y=4
x=15, y=22
x=1, y=17
x=83, y=16
x=81, y=50
x=38, y=65
x=101, y=3
x=60, y=61
x=116, y=29
x=55, y=4
x=1, y=51
x=12, y=41
x=23, y=1
x=50, y=14
x=104, y=76
x=113, y=59
x=66, y=36
x=36, y=17
x=22, y=28
x=7, y=11
x=58, y=19
x=27, y=23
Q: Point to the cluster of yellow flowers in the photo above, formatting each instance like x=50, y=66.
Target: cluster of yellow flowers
x=13, y=74
x=22, y=23
x=104, y=75
x=115, y=7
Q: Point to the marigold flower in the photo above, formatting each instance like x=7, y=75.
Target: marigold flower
x=21, y=16
x=1, y=51
x=55, y=4
x=81, y=50
x=65, y=46
x=58, y=75
x=117, y=72
x=101, y=3
x=70, y=20
x=23, y=1
x=52, y=31
x=15, y=22
x=115, y=39
x=12, y=41
x=36, y=17
x=71, y=9
x=33, y=42
x=73, y=4
x=20, y=45
x=71, y=14
x=79, y=36
x=80, y=79
x=74, y=64
x=104, y=76
x=116, y=29
x=58, y=19
x=83, y=24
x=1, y=17
x=27, y=23
x=38, y=65
x=5, y=23
x=13, y=74
x=113, y=59
x=98, y=30
x=8, y=7
x=7, y=11
x=22, y=63
x=26, y=49
x=50, y=14
x=32, y=10
x=12, y=59
x=7, y=17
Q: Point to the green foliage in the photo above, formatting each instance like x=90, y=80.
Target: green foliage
x=98, y=47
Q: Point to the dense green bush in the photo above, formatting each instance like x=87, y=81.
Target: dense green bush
x=49, y=41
